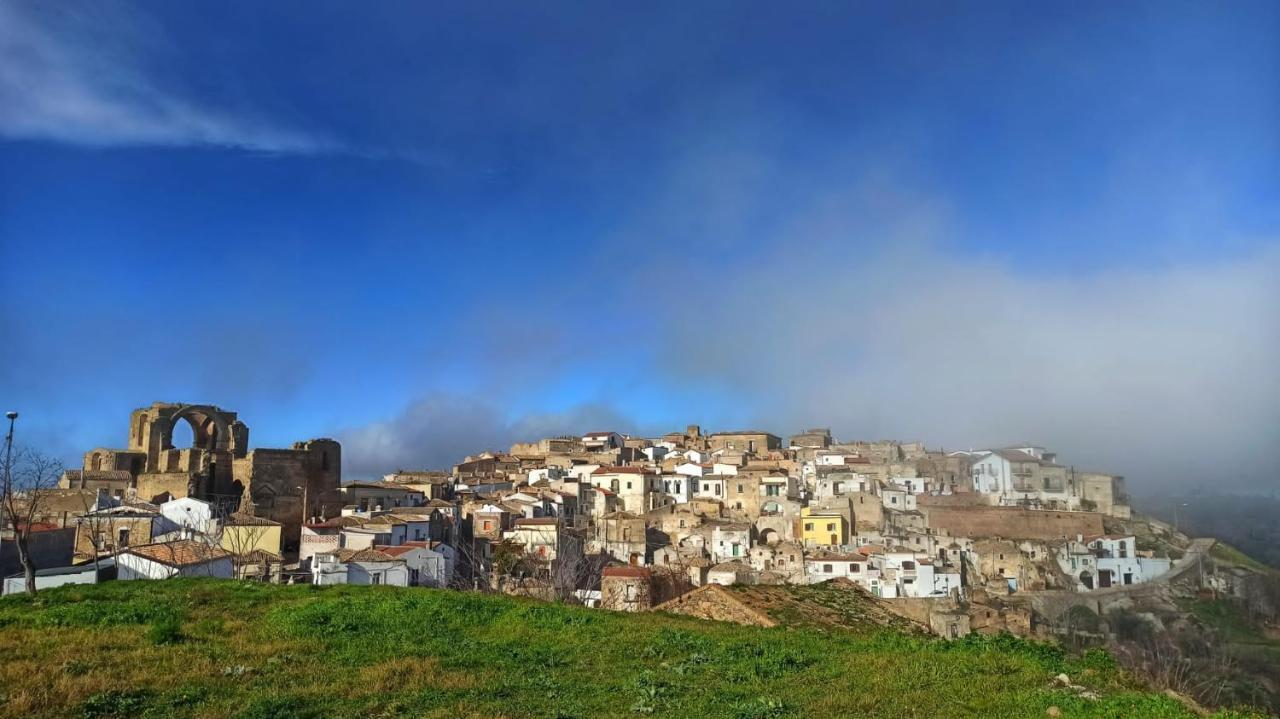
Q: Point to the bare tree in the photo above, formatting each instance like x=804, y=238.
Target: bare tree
x=96, y=526
x=27, y=477
x=242, y=536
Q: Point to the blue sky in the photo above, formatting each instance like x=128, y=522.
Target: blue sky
x=425, y=229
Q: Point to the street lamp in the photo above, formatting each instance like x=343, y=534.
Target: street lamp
x=6, y=482
x=1175, y=516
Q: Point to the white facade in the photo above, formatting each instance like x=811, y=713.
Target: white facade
x=678, y=486
x=329, y=570
x=187, y=513
x=131, y=566
x=730, y=542
x=711, y=486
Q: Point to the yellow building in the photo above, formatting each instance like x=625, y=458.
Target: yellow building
x=823, y=527
x=243, y=534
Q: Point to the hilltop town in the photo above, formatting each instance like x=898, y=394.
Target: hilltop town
x=810, y=531
x=610, y=520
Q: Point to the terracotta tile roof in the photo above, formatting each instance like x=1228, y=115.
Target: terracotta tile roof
x=396, y=551
x=364, y=555
x=244, y=519
x=619, y=470
x=179, y=553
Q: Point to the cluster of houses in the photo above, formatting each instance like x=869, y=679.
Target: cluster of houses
x=627, y=523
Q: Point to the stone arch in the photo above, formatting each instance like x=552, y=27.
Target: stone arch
x=770, y=536
x=209, y=428
x=96, y=463
x=1086, y=578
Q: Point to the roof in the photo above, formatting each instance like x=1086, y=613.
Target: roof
x=260, y=556
x=244, y=519
x=599, y=434
x=364, y=555
x=537, y=522
x=625, y=571
x=179, y=553
x=619, y=470
x=101, y=475
x=740, y=432
x=377, y=485
x=398, y=551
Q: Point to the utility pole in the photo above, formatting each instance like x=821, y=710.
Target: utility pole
x=6, y=482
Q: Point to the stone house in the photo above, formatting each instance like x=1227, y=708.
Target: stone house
x=729, y=573
x=623, y=536
x=730, y=540
x=753, y=441
x=625, y=589
x=784, y=558
x=635, y=487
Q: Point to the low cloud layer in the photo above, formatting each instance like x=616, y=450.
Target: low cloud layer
x=437, y=431
x=85, y=74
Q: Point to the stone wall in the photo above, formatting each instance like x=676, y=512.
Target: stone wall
x=1011, y=522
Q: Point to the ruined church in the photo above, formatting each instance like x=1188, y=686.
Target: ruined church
x=289, y=486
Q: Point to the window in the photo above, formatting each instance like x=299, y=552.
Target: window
x=124, y=538
x=375, y=578
x=826, y=569
x=855, y=568
x=893, y=500
x=631, y=593
x=739, y=488
x=717, y=490
x=831, y=526
x=488, y=525
x=808, y=526
x=628, y=485
x=908, y=566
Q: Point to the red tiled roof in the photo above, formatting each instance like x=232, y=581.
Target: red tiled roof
x=396, y=551
x=180, y=553
x=619, y=470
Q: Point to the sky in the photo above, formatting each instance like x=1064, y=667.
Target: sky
x=430, y=229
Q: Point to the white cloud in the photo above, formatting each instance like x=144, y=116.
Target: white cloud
x=83, y=75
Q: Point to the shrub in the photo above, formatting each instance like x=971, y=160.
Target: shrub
x=166, y=630
x=114, y=704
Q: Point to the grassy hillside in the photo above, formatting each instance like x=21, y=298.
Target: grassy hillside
x=221, y=649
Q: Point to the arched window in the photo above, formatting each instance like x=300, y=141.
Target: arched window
x=96, y=464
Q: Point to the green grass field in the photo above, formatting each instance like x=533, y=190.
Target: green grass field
x=209, y=648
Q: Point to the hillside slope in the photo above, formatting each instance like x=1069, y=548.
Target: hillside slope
x=209, y=648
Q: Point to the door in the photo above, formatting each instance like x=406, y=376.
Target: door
x=1104, y=578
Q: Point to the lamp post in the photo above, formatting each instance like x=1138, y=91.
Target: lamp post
x=1175, y=516
x=6, y=482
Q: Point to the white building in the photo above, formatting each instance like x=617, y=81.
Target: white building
x=179, y=558
x=359, y=566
